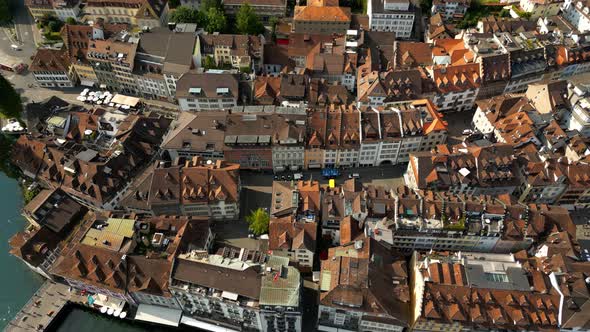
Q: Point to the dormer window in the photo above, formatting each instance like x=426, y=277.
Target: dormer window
x=222, y=91
x=195, y=91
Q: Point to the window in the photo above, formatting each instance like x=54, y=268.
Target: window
x=496, y=277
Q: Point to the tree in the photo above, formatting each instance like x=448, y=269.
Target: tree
x=173, y=3
x=216, y=21
x=55, y=25
x=71, y=21
x=208, y=4
x=258, y=221
x=5, y=14
x=209, y=63
x=10, y=103
x=247, y=22
x=184, y=14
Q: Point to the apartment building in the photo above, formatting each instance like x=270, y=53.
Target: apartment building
x=365, y=302
x=295, y=210
x=205, y=91
x=191, y=187
x=250, y=291
x=541, y=8
x=456, y=76
x=451, y=10
x=392, y=16
x=477, y=290
x=95, y=178
x=390, y=134
x=342, y=142
x=288, y=141
x=577, y=13
x=410, y=220
x=323, y=17
x=162, y=56
x=339, y=203
x=240, y=52
x=139, y=13
x=114, y=60
x=77, y=39
x=114, y=269
x=51, y=69
x=472, y=169
x=196, y=134
x=40, y=8
x=65, y=9
x=333, y=61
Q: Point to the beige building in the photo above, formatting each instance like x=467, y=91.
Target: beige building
x=141, y=13
x=235, y=51
x=321, y=17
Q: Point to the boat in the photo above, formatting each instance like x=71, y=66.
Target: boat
x=110, y=311
x=103, y=309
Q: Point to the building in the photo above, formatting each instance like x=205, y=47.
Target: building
x=339, y=203
x=237, y=292
x=579, y=116
x=196, y=134
x=51, y=69
x=163, y=56
x=541, y=8
x=324, y=17
x=95, y=178
x=438, y=29
x=392, y=16
x=191, y=187
x=472, y=170
x=288, y=141
x=576, y=13
x=390, y=134
x=140, y=13
x=363, y=287
x=480, y=291
x=54, y=210
x=77, y=40
x=117, y=272
x=410, y=220
x=65, y=9
x=456, y=76
x=265, y=9
x=451, y=10
x=205, y=91
x=334, y=62
x=40, y=8
x=240, y=52
x=295, y=210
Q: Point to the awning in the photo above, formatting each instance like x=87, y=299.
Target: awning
x=159, y=315
x=205, y=326
x=314, y=166
x=86, y=83
x=125, y=100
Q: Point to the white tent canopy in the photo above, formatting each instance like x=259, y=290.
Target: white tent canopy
x=158, y=314
x=125, y=100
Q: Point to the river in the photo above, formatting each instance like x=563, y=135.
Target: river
x=19, y=282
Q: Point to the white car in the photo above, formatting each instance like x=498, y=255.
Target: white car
x=467, y=132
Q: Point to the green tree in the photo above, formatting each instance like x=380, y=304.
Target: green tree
x=216, y=20
x=184, y=14
x=5, y=14
x=208, y=4
x=71, y=21
x=6, y=144
x=258, y=221
x=10, y=102
x=173, y=3
x=247, y=22
x=209, y=63
x=55, y=25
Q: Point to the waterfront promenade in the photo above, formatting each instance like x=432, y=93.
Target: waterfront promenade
x=43, y=307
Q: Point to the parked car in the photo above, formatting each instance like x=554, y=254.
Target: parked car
x=467, y=132
x=354, y=176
